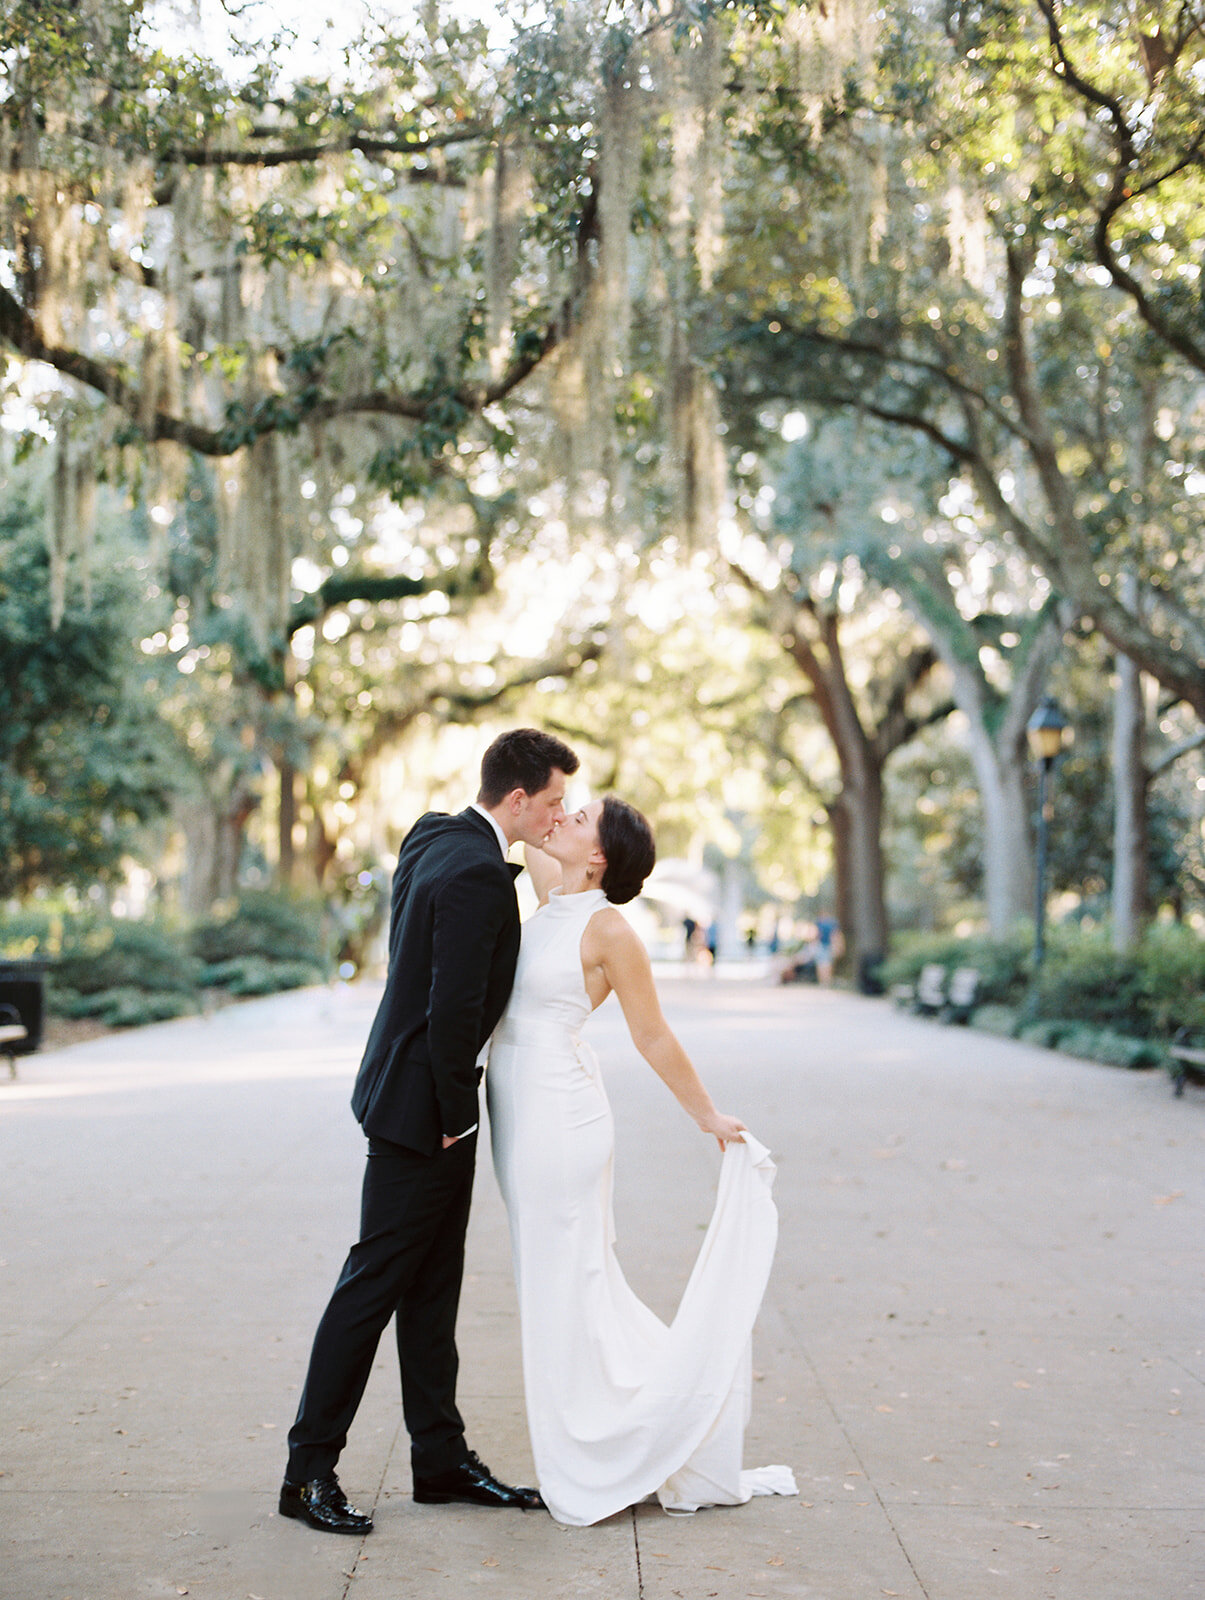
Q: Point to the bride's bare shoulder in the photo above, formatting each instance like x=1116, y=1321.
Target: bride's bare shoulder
x=613, y=931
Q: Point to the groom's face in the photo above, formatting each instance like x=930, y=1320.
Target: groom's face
x=538, y=814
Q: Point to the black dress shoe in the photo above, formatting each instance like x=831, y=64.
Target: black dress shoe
x=474, y=1483
x=323, y=1505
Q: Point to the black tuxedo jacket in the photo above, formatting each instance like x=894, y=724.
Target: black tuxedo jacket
x=453, y=944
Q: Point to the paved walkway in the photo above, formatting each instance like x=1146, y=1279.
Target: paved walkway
x=983, y=1350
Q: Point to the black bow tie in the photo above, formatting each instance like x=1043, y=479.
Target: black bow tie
x=515, y=868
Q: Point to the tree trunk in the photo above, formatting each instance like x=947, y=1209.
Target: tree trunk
x=287, y=819
x=996, y=722
x=214, y=829
x=1131, y=891
x=858, y=866
x=810, y=632
x=1008, y=886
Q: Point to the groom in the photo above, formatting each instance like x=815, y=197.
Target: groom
x=453, y=944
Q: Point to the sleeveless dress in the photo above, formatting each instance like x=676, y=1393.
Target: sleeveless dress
x=619, y=1405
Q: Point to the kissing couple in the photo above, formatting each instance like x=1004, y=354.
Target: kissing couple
x=620, y=1406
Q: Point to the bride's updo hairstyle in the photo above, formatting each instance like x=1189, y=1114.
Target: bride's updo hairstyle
x=625, y=838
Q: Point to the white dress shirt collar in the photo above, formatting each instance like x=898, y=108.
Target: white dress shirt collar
x=503, y=842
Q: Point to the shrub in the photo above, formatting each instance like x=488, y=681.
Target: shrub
x=253, y=975
x=1002, y=964
x=1001, y=1020
x=133, y=1008
x=1085, y=979
x=1171, y=978
x=1111, y=1048
x=276, y=927
x=1120, y=1009
x=1046, y=1031
x=98, y=956
x=30, y=931
x=123, y=1007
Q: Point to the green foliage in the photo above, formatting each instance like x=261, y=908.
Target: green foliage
x=274, y=927
x=98, y=956
x=1046, y=1032
x=245, y=976
x=126, y=974
x=1084, y=978
x=1110, y=1003
x=1172, y=978
x=1004, y=1021
x=128, y=1006
x=1002, y=964
x=32, y=930
x=84, y=759
x=1111, y=1048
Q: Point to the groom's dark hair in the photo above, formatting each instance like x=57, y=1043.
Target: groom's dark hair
x=523, y=758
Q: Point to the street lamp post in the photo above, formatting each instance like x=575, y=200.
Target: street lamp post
x=1049, y=734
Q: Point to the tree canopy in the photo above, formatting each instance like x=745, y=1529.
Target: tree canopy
x=373, y=352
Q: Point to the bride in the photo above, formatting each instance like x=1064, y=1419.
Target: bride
x=620, y=1406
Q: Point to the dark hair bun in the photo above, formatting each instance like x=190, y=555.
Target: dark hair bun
x=626, y=839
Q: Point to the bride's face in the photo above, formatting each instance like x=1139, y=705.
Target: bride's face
x=574, y=840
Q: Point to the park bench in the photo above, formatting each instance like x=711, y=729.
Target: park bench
x=20, y=1010
x=930, y=995
x=952, y=997
x=961, y=994
x=1187, y=1051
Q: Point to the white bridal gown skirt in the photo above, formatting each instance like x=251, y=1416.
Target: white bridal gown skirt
x=620, y=1406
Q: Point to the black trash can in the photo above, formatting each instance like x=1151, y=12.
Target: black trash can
x=870, y=974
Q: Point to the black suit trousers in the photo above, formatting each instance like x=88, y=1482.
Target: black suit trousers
x=408, y=1264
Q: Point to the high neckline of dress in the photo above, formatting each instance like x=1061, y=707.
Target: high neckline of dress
x=558, y=900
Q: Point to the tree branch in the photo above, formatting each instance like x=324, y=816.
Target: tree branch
x=1121, y=192
x=373, y=144
x=1176, y=752
x=21, y=333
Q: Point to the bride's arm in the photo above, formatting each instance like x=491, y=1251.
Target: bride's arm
x=626, y=966
x=545, y=872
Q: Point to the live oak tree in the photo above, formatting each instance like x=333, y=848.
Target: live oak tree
x=1031, y=186
x=872, y=674
x=323, y=288
x=85, y=761
x=1023, y=295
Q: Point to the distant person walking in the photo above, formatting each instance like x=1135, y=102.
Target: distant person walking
x=828, y=947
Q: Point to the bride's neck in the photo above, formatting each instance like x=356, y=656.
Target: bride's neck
x=577, y=882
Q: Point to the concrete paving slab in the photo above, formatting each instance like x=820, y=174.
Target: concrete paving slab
x=981, y=1350
x=815, y=1552
x=982, y=1554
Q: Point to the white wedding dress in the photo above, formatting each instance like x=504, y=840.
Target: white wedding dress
x=620, y=1406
